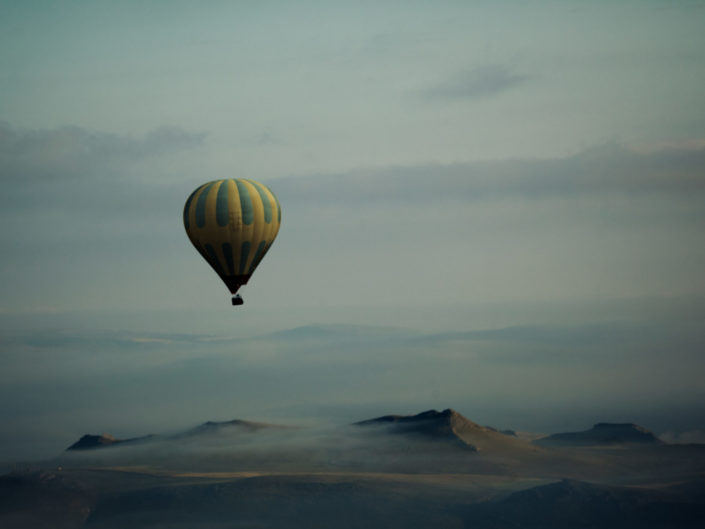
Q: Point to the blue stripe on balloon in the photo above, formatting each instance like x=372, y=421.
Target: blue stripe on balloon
x=201, y=206
x=258, y=256
x=248, y=211
x=228, y=253
x=221, y=204
x=266, y=204
x=214, y=261
x=244, y=254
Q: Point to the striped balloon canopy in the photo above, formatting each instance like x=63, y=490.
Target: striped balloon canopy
x=232, y=223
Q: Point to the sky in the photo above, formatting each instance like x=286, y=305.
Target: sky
x=510, y=192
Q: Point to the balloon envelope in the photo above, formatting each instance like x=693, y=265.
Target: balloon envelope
x=232, y=223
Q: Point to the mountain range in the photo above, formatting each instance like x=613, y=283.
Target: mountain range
x=431, y=469
x=430, y=426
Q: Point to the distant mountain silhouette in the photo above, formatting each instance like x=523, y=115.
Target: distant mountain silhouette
x=448, y=425
x=431, y=424
x=325, y=335
x=90, y=442
x=432, y=430
x=602, y=434
x=432, y=442
x=212, y=427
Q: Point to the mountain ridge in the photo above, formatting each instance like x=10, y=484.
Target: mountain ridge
x=450, y=426
x=446, y=426
x=601, y=434
x=92, y=442
x=105, y=440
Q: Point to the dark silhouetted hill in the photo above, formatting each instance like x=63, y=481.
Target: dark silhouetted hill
x=570, y=503
x=431, y=425
x=43, y=499
x=110, y=499
x=91, y=442
x=236, y=425
x=449, y=425
x=431, y=441
x=602, y=434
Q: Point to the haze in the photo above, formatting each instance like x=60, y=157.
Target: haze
x=495, y=207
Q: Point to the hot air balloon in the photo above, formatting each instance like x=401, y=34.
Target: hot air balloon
x=232, y=223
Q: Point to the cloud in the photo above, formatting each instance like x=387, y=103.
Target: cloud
x=485, y=81
x=75, y=153
x=81, y=181
x=50, y=355
x=85, y=172
x=70, y=175
x=96, y=380
x=92, y=341
x=601, y=171
x=573, y=227
x=567, y=336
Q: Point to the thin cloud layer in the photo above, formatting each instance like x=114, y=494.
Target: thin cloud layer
x=72, y=161
x=93, y=381
x=70, y=175
x=76, y=153
x=114, y=204
x=537, y=280
x=597, y=172
x=485, y=81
